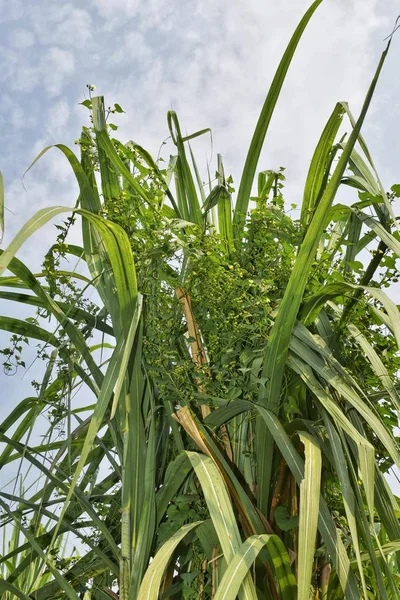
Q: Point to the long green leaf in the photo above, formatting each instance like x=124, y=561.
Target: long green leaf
x=221, y=512
x=348, y=494
x=261, y=129
x=106, y=144
x=27, y=330
x=279, y=338
x=365, y=448
x=8, y=587
x=364, y=147
x=390, y=241
x=116, y=242
x=63, y=583
x=146, y=531
x=376, y=363
x=187, y=187
x=115, y=373
x=309, y=507
x=76, y=336
x=42, y=217
x=70, y=311
x=243, y=559
x=316, y=174
x=126, y=354
x=176, y=473
x=59, y=483
x=277, y=347
x=224, y=210
x=150, y=587
x=326, y=524
x=351, y=395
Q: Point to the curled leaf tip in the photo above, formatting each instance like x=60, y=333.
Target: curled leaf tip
x=396, y=26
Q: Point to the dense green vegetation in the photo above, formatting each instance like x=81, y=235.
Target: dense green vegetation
x=236, y=371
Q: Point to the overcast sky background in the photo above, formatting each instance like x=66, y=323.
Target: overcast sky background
x=210, y=60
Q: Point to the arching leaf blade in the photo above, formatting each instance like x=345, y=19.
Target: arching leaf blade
x=243, y=559
x=317, y=170
x=310, y=489
x=221, y=513
x=150, y=587
x=261, y=129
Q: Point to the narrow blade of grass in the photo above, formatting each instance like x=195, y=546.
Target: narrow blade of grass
x=243, y=559
x=149, y=590
x=309, y=507
x=261, y=129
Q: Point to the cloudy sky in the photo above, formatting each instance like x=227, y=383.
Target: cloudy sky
x=210, y=60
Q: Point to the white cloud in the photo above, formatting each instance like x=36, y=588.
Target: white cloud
x=75, y=29
x=221, y=63
x=18, y=118
x=62, y=25
x=22, y=38
x=212, y=62
x=58, y=118
x=158, y=14
x=17, y=73
x=11, y=10
x=133, y=45
x=117, y=9
x=57, y=65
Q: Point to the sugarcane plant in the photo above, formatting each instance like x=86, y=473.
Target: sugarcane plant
x=221, y=380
